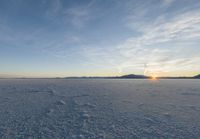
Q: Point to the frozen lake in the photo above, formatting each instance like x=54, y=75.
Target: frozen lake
x=99, y=109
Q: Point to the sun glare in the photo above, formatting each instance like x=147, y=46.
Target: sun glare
x=153, y=77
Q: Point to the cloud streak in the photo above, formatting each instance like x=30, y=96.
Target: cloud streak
x=155, y=47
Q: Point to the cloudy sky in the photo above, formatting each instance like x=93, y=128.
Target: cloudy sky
x=48, y=38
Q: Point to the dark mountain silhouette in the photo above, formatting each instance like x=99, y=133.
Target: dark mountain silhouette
x=197, y=76
x=134, y=76
x=129, y=76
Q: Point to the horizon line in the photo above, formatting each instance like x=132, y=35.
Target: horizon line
x=64, y=77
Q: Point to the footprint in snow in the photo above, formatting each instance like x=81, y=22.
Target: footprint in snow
x=168, y=115
x=50, y=111
x=149, y=120
x=89, y=105
x=85, y=115
x=141, y=104
x=193, y=107
x=60, y=102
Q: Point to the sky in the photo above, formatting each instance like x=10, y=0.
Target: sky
x=59, y=38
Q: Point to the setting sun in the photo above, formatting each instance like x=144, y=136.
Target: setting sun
x=153, y=77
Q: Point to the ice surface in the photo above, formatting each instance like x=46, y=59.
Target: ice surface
x=99, y=109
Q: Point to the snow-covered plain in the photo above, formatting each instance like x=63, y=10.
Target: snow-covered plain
x=99, y=109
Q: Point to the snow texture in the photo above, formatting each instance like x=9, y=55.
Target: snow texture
x=99, y=109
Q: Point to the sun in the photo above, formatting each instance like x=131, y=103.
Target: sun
x=153, y=77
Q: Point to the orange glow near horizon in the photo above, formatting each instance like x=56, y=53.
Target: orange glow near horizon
x=153, y=77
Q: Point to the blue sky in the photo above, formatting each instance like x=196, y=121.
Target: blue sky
x=56, y=38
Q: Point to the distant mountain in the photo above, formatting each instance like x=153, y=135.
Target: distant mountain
x=197, y=76
x=133, y=76
x=129, y=76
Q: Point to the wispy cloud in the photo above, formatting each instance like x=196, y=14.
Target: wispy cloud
x=76, y=15
x=168, y=2
x=55, y=8
x=79, y=15
x=184, y=28
x=151, y=50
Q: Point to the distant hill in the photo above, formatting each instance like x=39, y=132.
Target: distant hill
x=197, y=76
x=129, y=76
x=133, y=76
